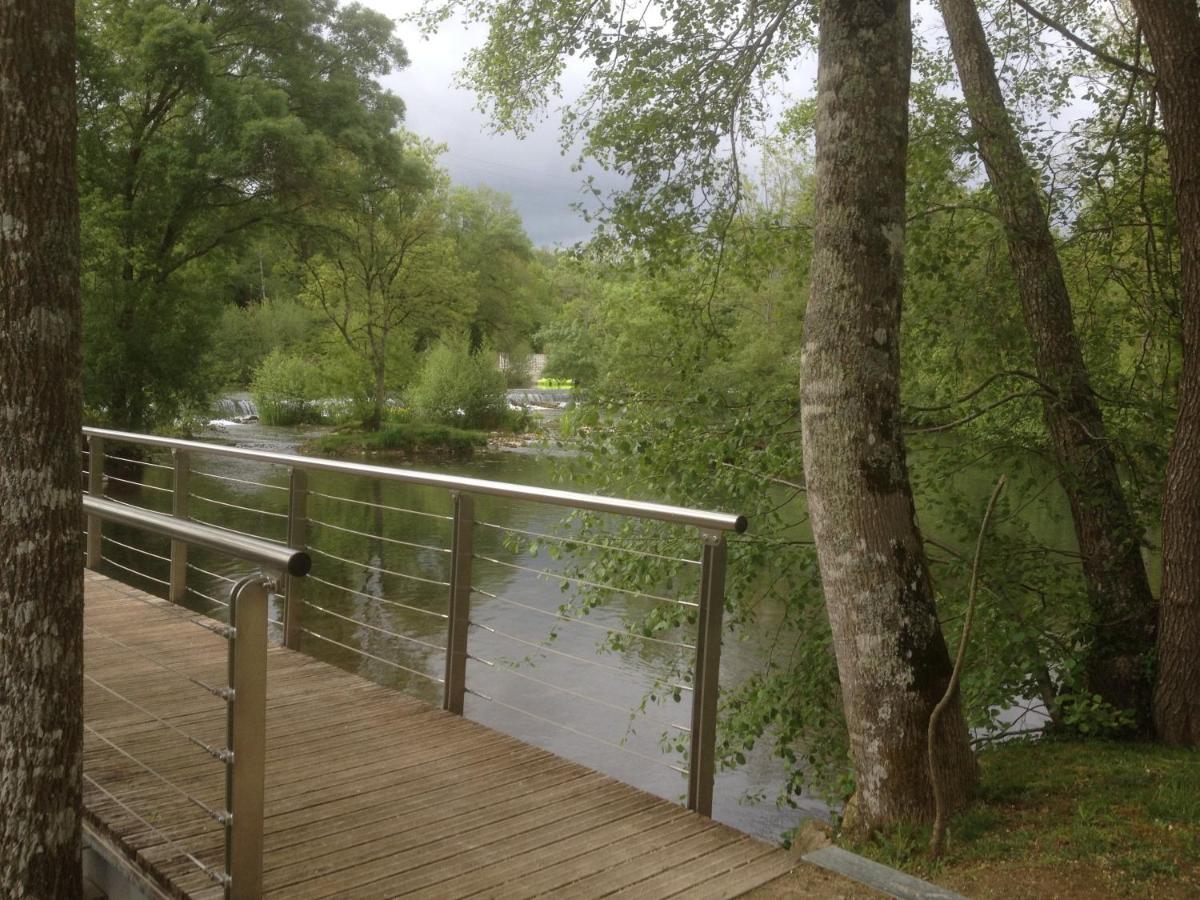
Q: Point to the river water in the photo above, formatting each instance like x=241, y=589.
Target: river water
x=377, y=603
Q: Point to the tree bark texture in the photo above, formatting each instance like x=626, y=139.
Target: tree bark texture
x=1121, y=633
x=1172, y=29
x=892, y=658
x=41, y=567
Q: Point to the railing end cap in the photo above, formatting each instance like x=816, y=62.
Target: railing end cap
x=300, y=564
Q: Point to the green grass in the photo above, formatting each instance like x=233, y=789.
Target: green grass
x=1067, y=819
x=409, y=439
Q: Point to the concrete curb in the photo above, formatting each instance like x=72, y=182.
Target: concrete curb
x=882, y=878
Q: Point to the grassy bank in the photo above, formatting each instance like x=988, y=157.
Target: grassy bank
x=1068, y=819
x=409, y=440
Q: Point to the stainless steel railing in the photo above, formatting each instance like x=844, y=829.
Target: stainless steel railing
x=244, y=753
x=463, y=562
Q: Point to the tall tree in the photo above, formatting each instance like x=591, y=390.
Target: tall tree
x=674, y=90
x=892, y=659
x=41, y=572
x=1120, y=635
x=200, y=124
x=491, y=242
x=1172, y=29
x=386, y=273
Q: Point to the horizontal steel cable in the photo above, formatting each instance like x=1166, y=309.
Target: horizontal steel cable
x=380, y=569
x=583, y=582
x=212, y=689
x=218, y=753
x=105, y=537
x=218, y=816
x=386, y=662
x=394, y=634
x=167, y=610
x=215, y=874
x=135, y=572
x=249, y=509
x=584, y=734
x=623, y=710
x=140, y=484
x=378, y=537
x=578, y=621
x=192, y=590
x=582, y=659
x=259, y=537
x=217, y=575
x=273, y=487
x=136, y=462
x=396, y=603
x=401, y=509
x=570, y=540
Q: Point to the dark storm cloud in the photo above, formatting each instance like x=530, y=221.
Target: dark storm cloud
x=533, y=171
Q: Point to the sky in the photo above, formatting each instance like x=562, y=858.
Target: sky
x=534, y=172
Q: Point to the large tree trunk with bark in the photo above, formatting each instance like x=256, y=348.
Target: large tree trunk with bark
x=1172, y=29
x=1121, y=631
x=892, y=658
x=41, y=569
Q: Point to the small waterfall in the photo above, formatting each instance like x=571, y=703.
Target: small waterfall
x=236, y=408
x=542, y=398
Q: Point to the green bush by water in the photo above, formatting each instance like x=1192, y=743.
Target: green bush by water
x=407, y=438
x=459, y=388
x=287, y=389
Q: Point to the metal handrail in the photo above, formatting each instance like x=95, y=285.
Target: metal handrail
x=641, y=509
x=245, y=698
x=708, y=604
x=252, y=550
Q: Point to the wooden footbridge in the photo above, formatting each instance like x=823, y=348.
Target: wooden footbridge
x=216, y=766
x=368, y=793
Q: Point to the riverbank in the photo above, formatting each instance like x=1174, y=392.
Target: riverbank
x=402, y=441
x=1067, y=819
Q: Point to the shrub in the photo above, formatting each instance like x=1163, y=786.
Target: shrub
x=458, y=388
x=286, y=390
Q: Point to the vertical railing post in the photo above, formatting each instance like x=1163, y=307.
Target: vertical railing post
x=702, y=755
x=179, y=509
x=96, y=489
x=297, y=538
x=461, y=552
x=245, y=726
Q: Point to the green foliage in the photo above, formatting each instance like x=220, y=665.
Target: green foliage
x=411, y=439
x=246, y=335
x=385, y=272
x=491, y=243
x=200, y=126
x=1089, y=715
x=457, y=387
x=668, y=97
x=287, y=390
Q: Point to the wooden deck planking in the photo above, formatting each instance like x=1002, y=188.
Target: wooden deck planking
x=370, y=793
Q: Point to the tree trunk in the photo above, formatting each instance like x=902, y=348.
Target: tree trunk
x=892, y=658
x=1120, y=634
x=380, y=409
x=41, y=567
x=1172, y=29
